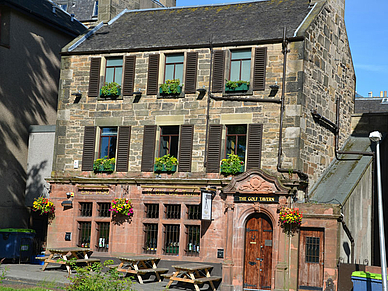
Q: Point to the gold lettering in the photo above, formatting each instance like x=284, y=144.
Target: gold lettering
x=242, y=198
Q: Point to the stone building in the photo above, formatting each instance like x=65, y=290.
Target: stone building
x=32, y=35
x=292, y=57
x=91, y=12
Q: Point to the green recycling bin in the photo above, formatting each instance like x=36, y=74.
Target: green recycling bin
x=17, y=244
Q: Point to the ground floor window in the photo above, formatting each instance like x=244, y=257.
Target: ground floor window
x=103, y=236
x=150, y=238
x=174, y=234
x=193, y=240
x=84, y=234
x=171, y=241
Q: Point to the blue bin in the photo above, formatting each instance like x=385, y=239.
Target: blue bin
x=365, y=281
x=17, y=244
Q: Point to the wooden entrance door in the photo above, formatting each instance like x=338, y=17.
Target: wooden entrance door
x=311, y=259
x=258, y=253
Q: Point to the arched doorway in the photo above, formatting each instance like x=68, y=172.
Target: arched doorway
x=258, y=252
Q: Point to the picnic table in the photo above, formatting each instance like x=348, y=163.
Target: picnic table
x=67, y=256
x=193, y=273
x=140, y=265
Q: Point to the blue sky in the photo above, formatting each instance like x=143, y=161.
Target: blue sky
x=366, y=24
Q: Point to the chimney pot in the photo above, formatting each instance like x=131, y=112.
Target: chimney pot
x=385, y=93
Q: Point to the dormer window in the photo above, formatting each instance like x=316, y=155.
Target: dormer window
x=95, y=9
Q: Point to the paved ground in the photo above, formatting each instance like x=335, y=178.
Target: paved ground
x=19, y=275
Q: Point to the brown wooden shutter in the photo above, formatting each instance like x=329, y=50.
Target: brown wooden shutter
x=259, y=69
x=129, y=75
x=214, y=149
x=191, y=73
x=123, y=148
x=255, y=133
x=185, y=148
x=89, y=147
x=153, y=73
x=94, y=77
x=218, y=71
x=148, y=155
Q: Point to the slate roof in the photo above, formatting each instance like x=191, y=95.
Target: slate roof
x=239, y=23
x=340, y=178
x=42, y=11
x=82, y=9
x=371, y=105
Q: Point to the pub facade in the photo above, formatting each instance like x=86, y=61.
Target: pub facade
x=246, y=94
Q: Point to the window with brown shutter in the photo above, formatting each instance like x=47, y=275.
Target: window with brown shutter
x=191, y=72
x=218, y=71
x=186, y=148
x=129, y=75
x=254, y=146
x=214, y=149
x=123, y=148
x=153, y=73
x=89, y=147
x=259, y=69
x=94, y=77
x=148, y=155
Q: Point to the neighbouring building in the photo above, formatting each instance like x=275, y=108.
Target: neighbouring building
x=91, y=12
x=32, y=35
x=258, y=79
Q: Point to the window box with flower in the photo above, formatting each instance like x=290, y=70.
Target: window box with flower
x=232, y=165
x=44, y=206
x=104, y=165
x=170, y=87
x=236, y=86
x=121, y=206
x=290, y=219
x=165, y=164
x=112, y=90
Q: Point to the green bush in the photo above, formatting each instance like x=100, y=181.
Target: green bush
x=92, y=278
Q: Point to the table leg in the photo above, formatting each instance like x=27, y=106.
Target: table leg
x=68, y=268
x=172, y=279
x=138, y=275
x=191, y=274
x=210, y=282
x=46, y=261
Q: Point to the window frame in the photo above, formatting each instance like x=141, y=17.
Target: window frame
x=237, y=136
x=109, y=141
x=174, y=65
x=240, y=63
x=114, y=69
x=170, y=136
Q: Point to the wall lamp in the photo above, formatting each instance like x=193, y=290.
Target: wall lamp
x=137, y=95
x=201, y=93
x=274, y=90
x=78, y=96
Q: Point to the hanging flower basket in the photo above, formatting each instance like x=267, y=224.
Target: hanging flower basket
x=290, y=219
x=121, y=206
x=44, y=206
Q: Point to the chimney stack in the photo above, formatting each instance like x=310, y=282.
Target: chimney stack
x=381, y=94
x=370, y=94
x=385, y=94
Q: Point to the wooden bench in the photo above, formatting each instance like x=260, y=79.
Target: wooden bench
x=41, y=258
x=87, y=261
x=207, y=279
x=152, y=270
x=167, y=276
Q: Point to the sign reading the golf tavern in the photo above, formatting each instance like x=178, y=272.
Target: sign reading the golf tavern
x=255, y=198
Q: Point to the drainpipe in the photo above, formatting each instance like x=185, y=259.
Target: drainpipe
x=349, y=234
x=302, y=176
x=208, y=105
